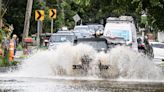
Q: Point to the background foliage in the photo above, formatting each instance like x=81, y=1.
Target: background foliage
x=90, y=11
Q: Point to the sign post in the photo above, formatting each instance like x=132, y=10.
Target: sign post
x=38, y=38
x=52, y=26
x=39, y=17
x=52, y=16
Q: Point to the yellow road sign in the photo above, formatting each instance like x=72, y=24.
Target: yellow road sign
x=39, y=15
x=52, y=13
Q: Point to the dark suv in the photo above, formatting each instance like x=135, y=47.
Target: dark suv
x=99, y=44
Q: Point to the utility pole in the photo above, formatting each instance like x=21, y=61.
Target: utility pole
x=0, y=14
x=63, y=15
x=27, y=18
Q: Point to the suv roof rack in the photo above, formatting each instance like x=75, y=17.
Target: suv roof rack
x=120, y=19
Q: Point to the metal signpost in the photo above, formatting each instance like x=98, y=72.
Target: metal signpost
x=52, y=16
x=39, y=17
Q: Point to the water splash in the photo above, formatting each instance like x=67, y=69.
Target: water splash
x=134, y=65
x=123, y=63
x=55, y=62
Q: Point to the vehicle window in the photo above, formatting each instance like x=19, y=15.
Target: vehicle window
x=62, y=38
x=158, y=45
x=81, y=28
x=84, y=31
x=120, y=33
x=93, y=27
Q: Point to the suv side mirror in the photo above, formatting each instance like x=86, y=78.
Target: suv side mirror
x=75, y=42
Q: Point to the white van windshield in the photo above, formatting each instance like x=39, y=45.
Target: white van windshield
x=120, y=33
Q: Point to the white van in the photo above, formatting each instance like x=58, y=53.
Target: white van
x=122, y=27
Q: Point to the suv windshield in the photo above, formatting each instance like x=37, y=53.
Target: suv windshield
x=81, y=28
x=95, y=27
x=62, y=38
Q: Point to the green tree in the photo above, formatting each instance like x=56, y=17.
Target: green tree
x=90, y=11
x=16, y=14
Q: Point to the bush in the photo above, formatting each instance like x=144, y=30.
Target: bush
x=19, y=47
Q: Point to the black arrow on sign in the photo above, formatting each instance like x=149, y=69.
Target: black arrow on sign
x=53, y=13
x=40, y=15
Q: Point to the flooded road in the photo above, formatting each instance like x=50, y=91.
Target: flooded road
x=77, y=85
x=52, y=71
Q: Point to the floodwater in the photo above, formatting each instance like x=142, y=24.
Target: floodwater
x=51, y=71
x=78, y=85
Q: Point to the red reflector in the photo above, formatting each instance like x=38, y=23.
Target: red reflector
x=28, y=40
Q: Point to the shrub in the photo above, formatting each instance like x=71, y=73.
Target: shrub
x=19, y=47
